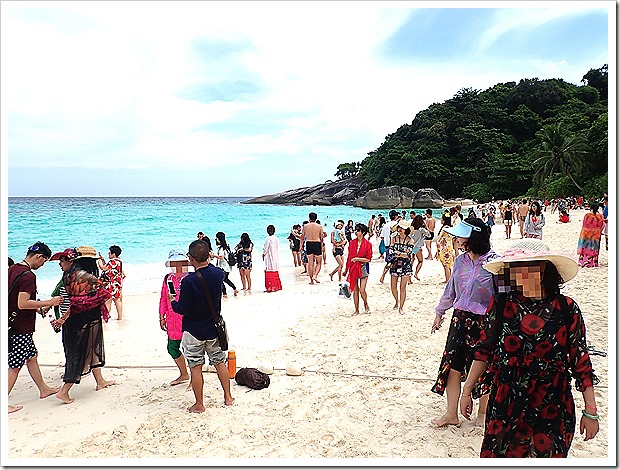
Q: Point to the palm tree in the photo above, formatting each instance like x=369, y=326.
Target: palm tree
x=561, y=153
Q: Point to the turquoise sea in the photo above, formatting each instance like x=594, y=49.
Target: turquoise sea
x=147, y=228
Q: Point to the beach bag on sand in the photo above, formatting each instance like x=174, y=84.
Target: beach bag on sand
x=252, y=378
x=345, y=291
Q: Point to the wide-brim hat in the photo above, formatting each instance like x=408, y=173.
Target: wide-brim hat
x=532, y=249
x=69, y=253
x=176, y=255
x=404, y=224
x=462, y=229
x=86, y=252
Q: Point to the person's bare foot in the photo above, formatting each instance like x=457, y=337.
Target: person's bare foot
x=225, y=296
x=401, y=311
x=331, y=276
x=395, y=306
x=179, y=380
x=236, y=292
x=311, y=282
x=445, y=420
x=428, y=257
x=356, y=313
x=316, y=280
x=48, y=392
x=381, y=279
x=105, y=384
x=229, y=401
x=196, y=408
x=65, y=397
x=13, y=409
x=480, y=420
x=416, y=276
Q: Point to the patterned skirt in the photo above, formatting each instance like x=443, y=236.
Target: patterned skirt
x=463, y=338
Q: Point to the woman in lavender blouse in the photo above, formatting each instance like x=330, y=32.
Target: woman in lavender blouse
x=469, y=292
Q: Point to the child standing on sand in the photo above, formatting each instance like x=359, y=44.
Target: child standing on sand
x=169, y=320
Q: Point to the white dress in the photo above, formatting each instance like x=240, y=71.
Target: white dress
x=270, y=250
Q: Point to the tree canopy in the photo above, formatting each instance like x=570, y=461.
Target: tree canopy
x=496, y=142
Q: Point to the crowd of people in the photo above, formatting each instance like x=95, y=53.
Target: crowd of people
x=514, y=341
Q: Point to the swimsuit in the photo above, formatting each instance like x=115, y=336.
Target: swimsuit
x=314, y=248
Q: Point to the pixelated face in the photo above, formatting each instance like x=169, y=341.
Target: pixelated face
x=527, y=278
x=179, y=266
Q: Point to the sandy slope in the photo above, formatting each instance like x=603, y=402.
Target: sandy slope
x=365, y=392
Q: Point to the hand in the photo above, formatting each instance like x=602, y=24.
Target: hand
x=162, y=324
x=436, y=323
x=171, y=297
x=466, y=405
x=590, y=426
x=55, y=301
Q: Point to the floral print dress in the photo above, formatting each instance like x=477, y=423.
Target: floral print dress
x=533, y=348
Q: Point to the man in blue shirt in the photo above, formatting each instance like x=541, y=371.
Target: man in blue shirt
x=199, y=333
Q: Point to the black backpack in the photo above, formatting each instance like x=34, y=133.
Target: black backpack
x=232, y=259
x=252, y=378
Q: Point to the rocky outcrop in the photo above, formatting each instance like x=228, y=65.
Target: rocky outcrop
x=327, y=194
x=397, y=197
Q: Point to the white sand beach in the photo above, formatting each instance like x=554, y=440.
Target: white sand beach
x=365, y=393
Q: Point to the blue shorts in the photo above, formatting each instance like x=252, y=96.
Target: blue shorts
x=194, y=350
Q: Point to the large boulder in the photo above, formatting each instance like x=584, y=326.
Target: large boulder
x=343, y=191
x=427, y=198
x=397, y=197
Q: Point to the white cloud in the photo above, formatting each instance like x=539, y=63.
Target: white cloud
x=106, y=79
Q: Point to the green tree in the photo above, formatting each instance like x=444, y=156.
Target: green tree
x=347, y=170
x=597, y=78
x=561, y=153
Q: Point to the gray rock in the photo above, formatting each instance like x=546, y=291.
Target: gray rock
x=427, y=198
x=396, y=197
x=330, y=193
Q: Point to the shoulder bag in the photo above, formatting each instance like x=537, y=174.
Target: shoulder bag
x=220, y=325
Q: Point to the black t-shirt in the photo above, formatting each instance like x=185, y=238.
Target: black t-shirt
x=193, y=305
x=25, y=320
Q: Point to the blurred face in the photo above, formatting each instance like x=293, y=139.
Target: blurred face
x=527, y=279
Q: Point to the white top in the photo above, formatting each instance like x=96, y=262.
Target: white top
x=222, y=263
x=385, y=233
x=270, y=250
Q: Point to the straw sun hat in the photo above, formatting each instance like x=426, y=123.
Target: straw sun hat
x=86, y=252
x=531, y=249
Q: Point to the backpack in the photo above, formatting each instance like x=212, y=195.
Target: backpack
x=252, y=378
x=231, y=258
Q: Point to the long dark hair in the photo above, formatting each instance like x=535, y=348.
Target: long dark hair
x=479, y=242
x=220, y=239
x=418, y=221
x=85, y=264
x=245, y=240
x=536, y=212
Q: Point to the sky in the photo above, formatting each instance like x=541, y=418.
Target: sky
x=253, y=98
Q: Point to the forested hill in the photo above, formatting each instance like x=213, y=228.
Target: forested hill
x=535, y=137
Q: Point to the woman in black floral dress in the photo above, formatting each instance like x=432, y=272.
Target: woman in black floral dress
x=533, y=342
